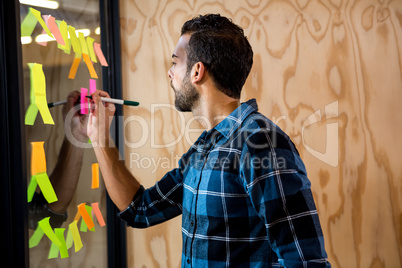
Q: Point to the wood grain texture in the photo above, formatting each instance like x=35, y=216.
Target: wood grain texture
x=327, y=72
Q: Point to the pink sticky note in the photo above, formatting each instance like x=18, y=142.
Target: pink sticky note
x=51, y=22
x=99, y=53
x=92, y=86
x=98, y=214
x=84, y=101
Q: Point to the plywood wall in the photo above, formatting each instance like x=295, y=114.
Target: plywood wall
x=328, y=72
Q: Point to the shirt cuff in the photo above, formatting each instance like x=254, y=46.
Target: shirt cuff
x=129, y=213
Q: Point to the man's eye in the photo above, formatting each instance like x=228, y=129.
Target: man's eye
x=173, y=63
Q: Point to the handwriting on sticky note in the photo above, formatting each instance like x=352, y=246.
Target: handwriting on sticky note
x=85, y=216
x=99, y=53
x=98, y=214
x=95, y=176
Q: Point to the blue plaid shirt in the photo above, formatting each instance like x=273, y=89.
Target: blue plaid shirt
x=244, y=195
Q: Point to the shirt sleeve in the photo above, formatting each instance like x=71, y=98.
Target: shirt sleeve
x=157, y=204
x=275, y=178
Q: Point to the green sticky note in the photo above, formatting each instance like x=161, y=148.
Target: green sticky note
x=83, y=43
x=46, y=187
x=31, y=188
x=63, y=248
x=53, y=252
x=69, y=239
x=38, y=16
x=36, y=237
x=91, y=51
x=28, y=24
x=47, y=229
x=76, y=235
x=32, y=110
x=89, y=210
x=83, y=226
x=75, y=42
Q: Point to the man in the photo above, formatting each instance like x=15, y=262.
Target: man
x=242, y=188
x=64, y=177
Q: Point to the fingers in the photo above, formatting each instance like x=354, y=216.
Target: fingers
x=96, y=101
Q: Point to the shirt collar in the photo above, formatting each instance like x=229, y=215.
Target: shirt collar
x=228, y=125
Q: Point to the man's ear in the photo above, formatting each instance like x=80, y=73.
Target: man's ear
x=197, y=73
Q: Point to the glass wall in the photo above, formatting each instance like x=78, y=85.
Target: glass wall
x=70, y=176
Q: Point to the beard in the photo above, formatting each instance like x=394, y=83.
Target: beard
x=187, y=96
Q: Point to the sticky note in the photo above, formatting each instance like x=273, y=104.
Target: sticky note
x=85, y=216
x=36, y=237
x=90, y=66
x=59, y=232
x=91, y=51
x=95, y=176
x=74, y=67
x=89, y=210
x=64, y=34
x=37, y=96
x=47, y=229
x=99, y=53
x=83, y=227
x=45, y=17
x=46, y=187
x=92, y=86
x=38, y=16
x=38, y=158
x=98, y=214
x=84, y=101
x=83, y=43
x=31, y=188
x=51, y=22
x=69, y=239
x=76, y=235
x=75, y=42
x=53, y=252
x=28, y=24
x=77, y=216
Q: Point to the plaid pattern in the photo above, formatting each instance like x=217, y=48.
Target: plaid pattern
x=244, y=195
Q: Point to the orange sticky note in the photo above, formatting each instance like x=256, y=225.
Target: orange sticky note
x=90, y=66
x=99, y=53
x=85, y=216
x=74, y=67
x=38, y=159
x=98, y=214
x=77, y=216
x=95, y=176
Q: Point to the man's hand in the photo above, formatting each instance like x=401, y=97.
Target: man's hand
x=78, y=122
x=100, y=119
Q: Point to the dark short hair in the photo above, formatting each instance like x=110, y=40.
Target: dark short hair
x=222, y=47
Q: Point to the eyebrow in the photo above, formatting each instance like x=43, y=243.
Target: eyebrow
x=174, y=56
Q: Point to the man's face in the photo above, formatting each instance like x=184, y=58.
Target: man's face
x=185, y=93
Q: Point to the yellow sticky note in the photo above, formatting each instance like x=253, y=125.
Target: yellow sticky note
x=76, y=235
x=75, y=42
x=38, y=96
x=46, y=187
x=83, y=43
x=91, y=51
x=90, y=66
x=95, y=176
x=85, y=216
x=64, y=34
x=47, y=229
x=38, y=158
x=38, y=16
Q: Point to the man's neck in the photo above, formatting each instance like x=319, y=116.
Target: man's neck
x=212, y=109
